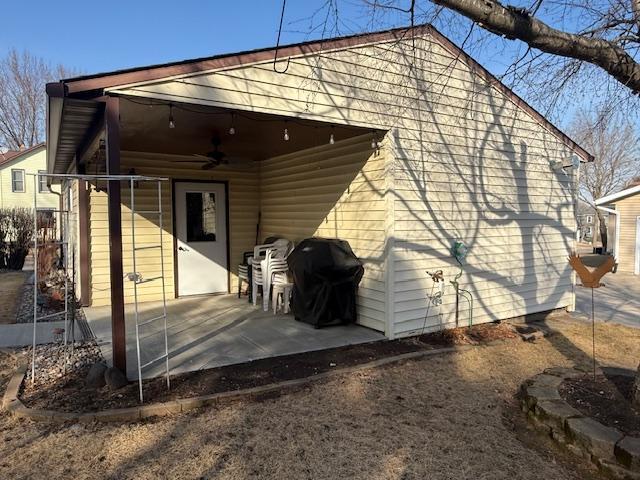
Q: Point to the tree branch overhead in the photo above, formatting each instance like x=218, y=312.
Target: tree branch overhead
x=517, y=23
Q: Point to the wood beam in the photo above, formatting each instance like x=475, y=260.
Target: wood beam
x=91, y=142
x=83, y=225
x=118, y=332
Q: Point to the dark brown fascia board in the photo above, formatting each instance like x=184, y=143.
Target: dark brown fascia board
x=56, y=89
x=156, y=72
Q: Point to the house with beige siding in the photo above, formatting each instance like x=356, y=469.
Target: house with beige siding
x=395, y=141
x=623, y=209
x=17, y=172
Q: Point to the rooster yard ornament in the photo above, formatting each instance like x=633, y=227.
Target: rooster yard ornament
x=591, y=279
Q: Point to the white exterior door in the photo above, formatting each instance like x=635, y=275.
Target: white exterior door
x=636, y=269
x=201, y=238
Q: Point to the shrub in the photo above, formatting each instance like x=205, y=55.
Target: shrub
x=16, y=234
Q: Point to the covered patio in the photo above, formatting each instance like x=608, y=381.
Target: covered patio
x=230, y=175
x=213, y=331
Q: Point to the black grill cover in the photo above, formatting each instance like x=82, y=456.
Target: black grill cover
x=326, y=274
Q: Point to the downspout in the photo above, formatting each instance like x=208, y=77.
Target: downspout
x=616, y=245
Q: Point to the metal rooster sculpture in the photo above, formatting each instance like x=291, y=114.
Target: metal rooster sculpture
x=591, y=279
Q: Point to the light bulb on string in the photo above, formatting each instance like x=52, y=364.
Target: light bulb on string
x=232, y=128
x=172, y=124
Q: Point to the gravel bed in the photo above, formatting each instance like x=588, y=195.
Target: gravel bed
x=50, y=364
x=24, y=311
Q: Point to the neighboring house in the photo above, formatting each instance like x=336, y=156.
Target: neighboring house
x=396, y=141
x=624, y=211
x=586, y=219
x=17, y=177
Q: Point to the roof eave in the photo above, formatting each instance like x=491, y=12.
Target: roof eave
x=98, y=83
x=617, y=196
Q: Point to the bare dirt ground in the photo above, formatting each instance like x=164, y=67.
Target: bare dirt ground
x=70, y=393
x=10, y=292
x=453, y=416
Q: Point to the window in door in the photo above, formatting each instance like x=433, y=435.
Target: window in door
x=201, y=216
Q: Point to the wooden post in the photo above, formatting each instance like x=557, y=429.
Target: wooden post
x=118, y=332
x=83, y=226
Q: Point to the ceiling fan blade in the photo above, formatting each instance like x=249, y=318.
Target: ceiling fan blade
x=189, y=161
x=239, y=162
x=209, y=165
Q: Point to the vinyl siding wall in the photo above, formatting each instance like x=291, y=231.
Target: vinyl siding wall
x=243, y=216
x=334, y=191
x=465, y=163
x=629, y=209
x=31, y=163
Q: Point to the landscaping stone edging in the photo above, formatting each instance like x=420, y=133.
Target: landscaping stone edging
x=14, y=405
x=609, y=449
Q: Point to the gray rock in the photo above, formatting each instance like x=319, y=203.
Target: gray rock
x=534, y=393
x=115, y=379
x=546, y=380
x=554, y=413
x=594, y=437
x=628, y=453
x=563, y=372
x=95, y=377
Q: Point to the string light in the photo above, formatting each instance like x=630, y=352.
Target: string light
x=332, y=140
x=374, y=143
x=172, y=124
x=232, y=128
x=286, y=133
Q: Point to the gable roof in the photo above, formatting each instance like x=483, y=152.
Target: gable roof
x=97, y=83
x=627, y=192
x=15, y=154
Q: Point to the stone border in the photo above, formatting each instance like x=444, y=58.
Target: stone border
x=609, y=449
x=14, y=405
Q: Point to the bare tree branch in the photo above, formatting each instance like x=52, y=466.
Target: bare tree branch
x=616, y=148
x=517, y=23
x=22, y=98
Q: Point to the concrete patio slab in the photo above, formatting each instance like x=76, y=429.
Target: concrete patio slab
x=212, y=331
x=618, y=301
x=21, y=334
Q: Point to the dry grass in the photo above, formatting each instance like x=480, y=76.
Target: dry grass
x=447, y=417
x=10, y=292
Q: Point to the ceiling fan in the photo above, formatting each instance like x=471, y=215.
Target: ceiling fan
x=215, y=158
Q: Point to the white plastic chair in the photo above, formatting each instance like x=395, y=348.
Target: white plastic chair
x=259, y=252
x=281, y=289
x=274, y=264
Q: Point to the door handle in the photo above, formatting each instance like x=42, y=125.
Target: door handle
x=183, y=249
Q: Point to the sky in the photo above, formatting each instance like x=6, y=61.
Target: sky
x=92, y=37
x=89, y=38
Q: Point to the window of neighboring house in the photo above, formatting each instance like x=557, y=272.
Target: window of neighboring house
x=589, y=232
x=17, y=180
x=589, y=219
x=42, y=183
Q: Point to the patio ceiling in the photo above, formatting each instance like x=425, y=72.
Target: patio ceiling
x=145, y=128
